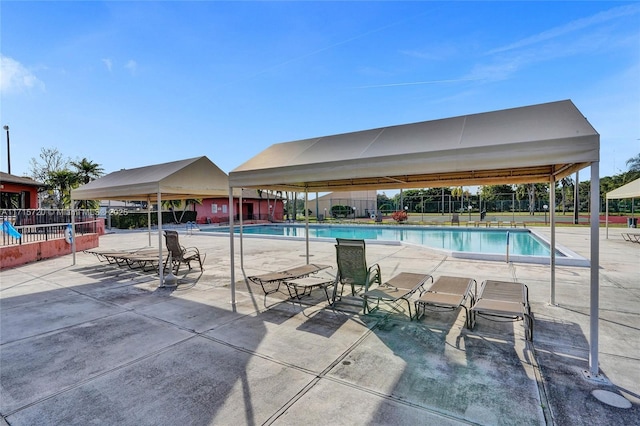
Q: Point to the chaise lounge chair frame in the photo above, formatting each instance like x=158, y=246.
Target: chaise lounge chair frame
x=631, y=237
x=397, y=289
x=276, y=278
x=137, y=258
x=503, y=300
x=448, y=293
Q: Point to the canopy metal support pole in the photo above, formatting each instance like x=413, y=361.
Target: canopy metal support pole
x=306, y=220
x=73, y=234
x=232, y=249
x=606, y=217
x=160, y=263
x=552, y=252
x=241, y=224
x=149, y=218
x=595, y=265
x=576, y=200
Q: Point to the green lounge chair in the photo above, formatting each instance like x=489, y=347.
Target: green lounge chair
x=352, y=268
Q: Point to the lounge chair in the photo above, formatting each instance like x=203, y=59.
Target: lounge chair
x=447, y=293
x=352, y=267
x=179, y=254
x=397, y=289
x=270, y=279
x=455, y=219
x=506, y=300
x=299, y=287
x=119, y=256
x=632, y=238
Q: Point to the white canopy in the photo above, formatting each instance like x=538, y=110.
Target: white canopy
x=177, y=180
x=630, y=190
x=538, y=143
x=520, y=145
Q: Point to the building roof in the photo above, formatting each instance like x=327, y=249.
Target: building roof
x=20, y=180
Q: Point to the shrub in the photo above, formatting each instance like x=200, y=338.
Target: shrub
x=341, y=211
x=399, y=216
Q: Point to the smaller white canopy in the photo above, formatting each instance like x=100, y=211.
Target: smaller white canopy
x=630, y=190
x=178, y=180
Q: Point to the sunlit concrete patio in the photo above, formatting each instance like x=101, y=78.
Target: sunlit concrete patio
x=96, y=343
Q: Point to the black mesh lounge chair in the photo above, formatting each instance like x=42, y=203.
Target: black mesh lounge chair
x=448, y=293
x=352, y=267
x=503, y=300
x=180, y=254
x=270, y=281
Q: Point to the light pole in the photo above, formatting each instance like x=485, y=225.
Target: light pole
x=6, y=127
x=546, y=208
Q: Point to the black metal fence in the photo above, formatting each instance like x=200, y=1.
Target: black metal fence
x=21, y=226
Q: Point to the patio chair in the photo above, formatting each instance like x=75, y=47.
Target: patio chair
x=270, y=279
x=455, y=219
x=503, y=300
x=448, y=293
x=352, y=267
x=180, y=254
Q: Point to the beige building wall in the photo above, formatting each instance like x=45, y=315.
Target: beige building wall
x=364, y=201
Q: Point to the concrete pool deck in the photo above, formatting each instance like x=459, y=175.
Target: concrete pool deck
x=94, y=343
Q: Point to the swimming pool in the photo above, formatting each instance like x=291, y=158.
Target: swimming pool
x=489, y=244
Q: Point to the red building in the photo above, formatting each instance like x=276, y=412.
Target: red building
x=256, y=206
x=18, y=192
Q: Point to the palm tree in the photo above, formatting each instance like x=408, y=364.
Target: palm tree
x=172, y=205
x=189, y=202
x=87, y=171
x=634, y=163
x=566, y=183
x=458, y=192
x=177, y=204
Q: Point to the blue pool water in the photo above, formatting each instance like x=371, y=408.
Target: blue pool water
x=491, y=241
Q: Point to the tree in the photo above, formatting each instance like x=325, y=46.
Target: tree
x=532, y=191
x=495, y=192
x=60, y=183
x=634, y=163
x=87, y=170
x=51, y=161
x=566, y=184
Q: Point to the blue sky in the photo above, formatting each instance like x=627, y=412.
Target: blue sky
x=129, y=84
